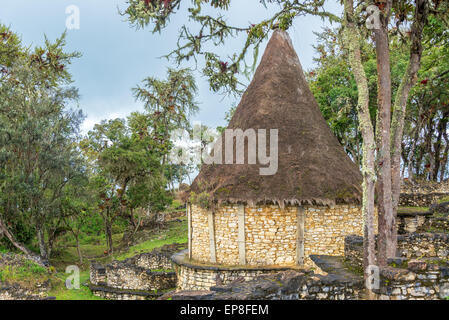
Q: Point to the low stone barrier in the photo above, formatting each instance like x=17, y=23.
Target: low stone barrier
x=420, y=199
x=412, y=221
x=152, y=260
x=410, y=246
x=16, y=292
x=97, y=273
x=423, y=245
x=138, y=278
x=420, y=186
x=354, y=251
x=193, y=276
x=286, y=285
x=436, y=223
x=122, y=275
x=426, y=280
x=420, y=280
x=119, y=294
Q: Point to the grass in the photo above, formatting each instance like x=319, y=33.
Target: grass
x=92, y=248
x=27, y=274
x=444, y=199
x=412, y=209
x=3, y=249
x=175, y=205
x=176, y=232
x=60, y=291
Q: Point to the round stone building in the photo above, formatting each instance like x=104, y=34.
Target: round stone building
x=294, y=195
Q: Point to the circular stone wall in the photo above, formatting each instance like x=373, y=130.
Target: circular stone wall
x=191, y=276
x=268, y=234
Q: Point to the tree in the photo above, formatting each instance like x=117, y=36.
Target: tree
x=389, y=134
x=169, y=102
x=169, y=105
x=75, y=208
x=426, y=145
x=353, y=38
x=37, y=134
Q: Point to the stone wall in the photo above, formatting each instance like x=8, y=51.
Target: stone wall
x=424, y=187
x=152, y=260
x=327, y=227
x=16, y=292
x=420, y=199
x=436, y=224
x=97, y=274
x=138, y=278
x=200, y=233
x=411, y=222
x=15, y=288
x=410, y=246
x=122, y=294
x=287, y=285
x=126, y=276
x=271, y=233
x=403, y=279
x=423, y=245
x=202, y=277
x=422, y=193
x=420, y=280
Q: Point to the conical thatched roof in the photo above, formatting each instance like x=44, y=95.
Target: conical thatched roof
x=313, y=167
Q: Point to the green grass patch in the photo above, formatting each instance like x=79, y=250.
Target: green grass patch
x=175, y=232
x=92, y=247
x=444, y=199
x=60, y=292
x=412, y=209
x=28, y=274
x=3, y=249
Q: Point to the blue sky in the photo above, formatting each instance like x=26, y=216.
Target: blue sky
x=117, y=57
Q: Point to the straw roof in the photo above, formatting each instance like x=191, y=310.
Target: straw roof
x=312, y=167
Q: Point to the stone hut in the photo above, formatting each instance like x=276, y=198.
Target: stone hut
x=244, y=222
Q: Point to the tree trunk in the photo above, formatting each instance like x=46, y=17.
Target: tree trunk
x=30, y=255
x=397, y=126
x=78, y=249
x=386, y=226
x=352, y=38
x=442, y=127
x=444, y=162
x=402, y=95
x=430, y=164
x=41, y=242
x=411, y=154
x=109, y=242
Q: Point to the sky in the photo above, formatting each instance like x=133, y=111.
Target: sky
x=116, y=57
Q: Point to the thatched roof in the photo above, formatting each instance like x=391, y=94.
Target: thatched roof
x=313, y=167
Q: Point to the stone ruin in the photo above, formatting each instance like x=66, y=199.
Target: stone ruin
x=16, y=291
x=420, y=271
x=143, y=277
x=422, y=193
